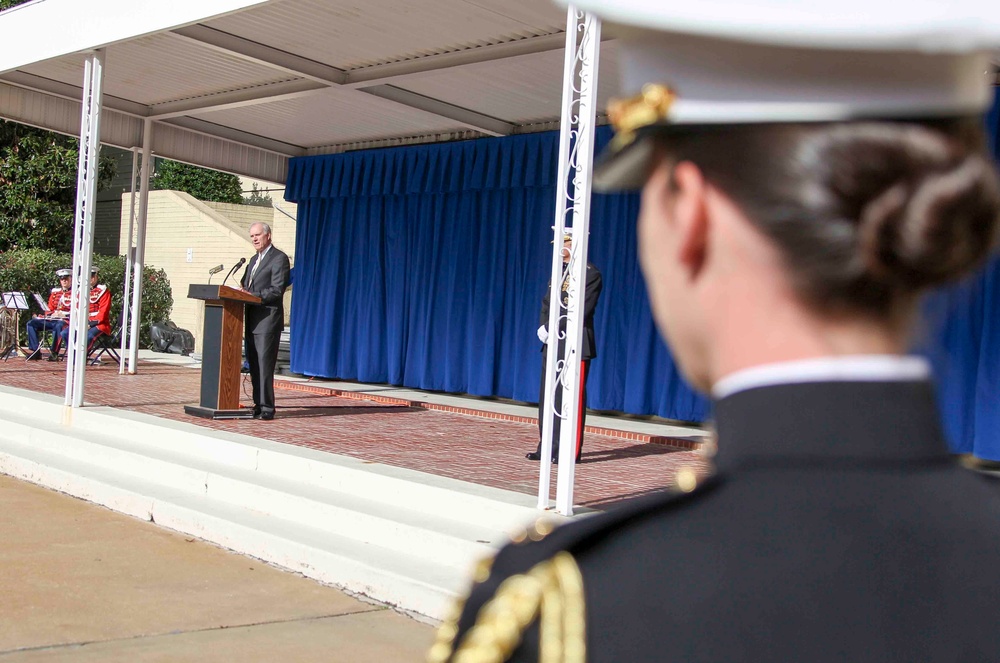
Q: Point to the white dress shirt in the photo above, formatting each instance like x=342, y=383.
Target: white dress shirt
x=260, y=259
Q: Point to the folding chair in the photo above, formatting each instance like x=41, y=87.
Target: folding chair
x=105, y=344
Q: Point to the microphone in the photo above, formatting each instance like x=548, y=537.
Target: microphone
x=215, y=270
x=235, y=267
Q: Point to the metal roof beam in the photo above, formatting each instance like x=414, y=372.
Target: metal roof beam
x=296, y=65
x=258, y=53
x=397, y=71
x=236, y=98
x=237, y=136
x=72, y=92
x=464, y=116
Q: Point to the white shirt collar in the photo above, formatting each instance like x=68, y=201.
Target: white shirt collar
x=260, y=256
x=849, y=368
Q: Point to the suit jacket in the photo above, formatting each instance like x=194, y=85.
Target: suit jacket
x=269, y=283
x=592, y=293
x=838, y=528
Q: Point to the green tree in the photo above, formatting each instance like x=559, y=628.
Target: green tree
x=38, y=187
x=202, y=183
x=258, y=197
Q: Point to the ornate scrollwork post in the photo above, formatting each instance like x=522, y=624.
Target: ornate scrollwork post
x=83, y=230
x=573, y=187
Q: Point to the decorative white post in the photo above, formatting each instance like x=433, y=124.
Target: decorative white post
x=140, y=244
x=83, y=229
x=576, y=153
x=129, y=260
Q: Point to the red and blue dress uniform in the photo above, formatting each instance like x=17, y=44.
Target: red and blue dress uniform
x=54, y=319
x=99, y=320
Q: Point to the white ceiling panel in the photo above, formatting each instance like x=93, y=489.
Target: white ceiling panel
x=521, y=90
x=331, y=117
x=359, y=33
x=152, y=70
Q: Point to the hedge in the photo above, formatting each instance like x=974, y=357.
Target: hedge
x=33, y=270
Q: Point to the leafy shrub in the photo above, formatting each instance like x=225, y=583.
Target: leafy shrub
x=202, y=183
x=33, y=270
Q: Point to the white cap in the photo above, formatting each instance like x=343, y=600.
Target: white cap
x=722, y=62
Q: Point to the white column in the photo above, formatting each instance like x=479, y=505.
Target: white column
x=129, y=261
x=576, y=151
x=140, y=243
x=83, y=229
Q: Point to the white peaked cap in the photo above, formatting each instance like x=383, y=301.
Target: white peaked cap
x=764, y=61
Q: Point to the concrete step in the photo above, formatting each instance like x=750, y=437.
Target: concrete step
x=400, y=528
x=406, y=582
x=447, y=498
x=400, y=536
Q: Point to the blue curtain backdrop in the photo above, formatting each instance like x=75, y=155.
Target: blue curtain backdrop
x=425, y=266
x=962, y=339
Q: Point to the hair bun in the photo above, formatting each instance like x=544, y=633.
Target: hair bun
x=931, y=231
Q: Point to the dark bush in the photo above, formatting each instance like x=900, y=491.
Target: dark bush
x=33, y=270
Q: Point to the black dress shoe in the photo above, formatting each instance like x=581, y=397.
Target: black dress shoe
x=35, y=355
x=53, y=358
x=534, y=455
x=256, y=413
x=267, y=416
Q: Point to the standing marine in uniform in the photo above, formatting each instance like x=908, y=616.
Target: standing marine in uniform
x=588, y=350
x=55, y=316
x=266, y=276
x=805, y=176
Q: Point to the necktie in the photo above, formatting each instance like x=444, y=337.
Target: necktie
x=253, y=271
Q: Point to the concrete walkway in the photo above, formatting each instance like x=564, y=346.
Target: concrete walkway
x=81, y=583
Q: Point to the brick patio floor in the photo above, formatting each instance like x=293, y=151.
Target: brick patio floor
x=460, y=446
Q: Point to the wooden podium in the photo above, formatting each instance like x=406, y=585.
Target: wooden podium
x=221, y=351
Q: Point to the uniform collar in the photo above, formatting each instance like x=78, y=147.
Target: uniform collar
x=857, y=412
x=849, y=368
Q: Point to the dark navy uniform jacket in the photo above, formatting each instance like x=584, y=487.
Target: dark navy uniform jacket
x=591, y=294
x=837, y=528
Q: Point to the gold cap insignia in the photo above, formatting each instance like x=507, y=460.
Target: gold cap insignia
x=649, y=107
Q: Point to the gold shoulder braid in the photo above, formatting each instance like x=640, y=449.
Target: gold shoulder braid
x=444, y=642
x=552, y=592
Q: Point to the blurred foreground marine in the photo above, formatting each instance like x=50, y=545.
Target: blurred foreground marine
x=807, y=171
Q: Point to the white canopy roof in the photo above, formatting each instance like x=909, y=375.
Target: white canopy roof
x=242, y=85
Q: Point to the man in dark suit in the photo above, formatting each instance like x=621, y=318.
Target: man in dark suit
x=266, y=276
x=588, y=350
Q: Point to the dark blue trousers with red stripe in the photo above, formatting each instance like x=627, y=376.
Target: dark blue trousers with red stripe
x=581, y=415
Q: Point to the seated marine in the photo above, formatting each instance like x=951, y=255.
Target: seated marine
x=55, y=316
x=99, y=321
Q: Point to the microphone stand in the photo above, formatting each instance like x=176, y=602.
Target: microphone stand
x=234, y=268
